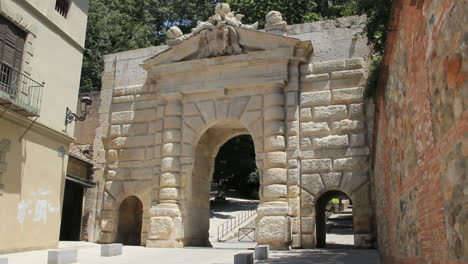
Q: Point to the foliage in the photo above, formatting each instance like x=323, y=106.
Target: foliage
x=374, y=74
x=378, y=15
x=118, y=25
x=236, y=161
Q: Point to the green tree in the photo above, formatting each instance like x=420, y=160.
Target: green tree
x=118, y=25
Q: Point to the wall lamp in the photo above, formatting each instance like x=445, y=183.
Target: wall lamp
x=85, y=104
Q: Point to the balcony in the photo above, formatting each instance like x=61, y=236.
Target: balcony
x=19, y=93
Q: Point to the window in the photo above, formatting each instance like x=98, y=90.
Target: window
x=12, y=41
x=62, y=6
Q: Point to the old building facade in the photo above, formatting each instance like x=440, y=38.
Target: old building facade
x=166, y=110
x=41, y=50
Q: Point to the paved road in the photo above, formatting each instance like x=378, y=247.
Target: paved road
x=89, y=253
x=326, y=256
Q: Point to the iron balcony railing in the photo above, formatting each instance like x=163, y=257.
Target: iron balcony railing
x=19, y=93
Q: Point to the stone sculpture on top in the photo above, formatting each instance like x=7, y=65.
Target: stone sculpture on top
x=218, y=34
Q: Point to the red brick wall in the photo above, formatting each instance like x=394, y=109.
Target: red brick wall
x=421, y=139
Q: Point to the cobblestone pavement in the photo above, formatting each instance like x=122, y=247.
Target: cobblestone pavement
x=89, y=253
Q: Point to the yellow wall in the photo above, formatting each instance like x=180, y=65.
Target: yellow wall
x=31, y=200
x=57, y=45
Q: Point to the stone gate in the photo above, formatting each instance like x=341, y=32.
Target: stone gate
x=167, y=110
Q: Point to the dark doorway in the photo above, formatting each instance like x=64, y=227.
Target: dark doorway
x=130, y=220
x=72, y=211
x=333, y=216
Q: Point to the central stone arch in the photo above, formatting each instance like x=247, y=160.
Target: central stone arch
x=196, y=208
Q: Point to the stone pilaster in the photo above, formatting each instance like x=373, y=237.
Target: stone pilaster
x=291, y=92
x=273, y=222
x=165, y=225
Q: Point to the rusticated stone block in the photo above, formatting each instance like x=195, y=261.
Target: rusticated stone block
x=328, y=66
x=172, y=135
x=277, y=158
x=356, y=110
x=347, y=126
x=354, y=163
x=169, y=193
x=275, y=175
x=161, y=227
x=170, y=164
x=315, y=98
x=276, y=142
x=348, y=95
x=315, y=128
x=122, y=117
x=171, y=149
x=312, y=183
x=316, y=165
x=355, y=63
x=330, y=112
x=170, y=179
x=347, y=74
x=333, y=141
x=358, y=140
x=274, y=231
x=306, y=114
x=275, y=190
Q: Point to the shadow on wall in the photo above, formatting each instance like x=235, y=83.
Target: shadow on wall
x=25, y=153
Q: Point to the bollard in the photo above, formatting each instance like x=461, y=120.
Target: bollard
x=243, y=258
x=261, y=252
x=3, y=261
x=62, y=256
x=109, y=250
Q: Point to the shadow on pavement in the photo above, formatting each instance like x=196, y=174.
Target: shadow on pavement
x=356, y=256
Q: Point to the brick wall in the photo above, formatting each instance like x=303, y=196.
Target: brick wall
x=421, y=135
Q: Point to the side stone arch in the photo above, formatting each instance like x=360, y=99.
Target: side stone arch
x=356, y=186
x=115, y=192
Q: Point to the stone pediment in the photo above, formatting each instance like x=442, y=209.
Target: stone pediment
x=211, y=45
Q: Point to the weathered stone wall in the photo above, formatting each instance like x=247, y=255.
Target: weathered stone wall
x=124, y=91
x=421, y=138
x=85, y=131
x=334, y=143
x=160, y=133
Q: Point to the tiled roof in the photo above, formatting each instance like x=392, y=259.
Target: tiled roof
x=82, y=152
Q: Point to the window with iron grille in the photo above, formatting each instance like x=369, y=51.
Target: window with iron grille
x=12, y=40
x=62, y=6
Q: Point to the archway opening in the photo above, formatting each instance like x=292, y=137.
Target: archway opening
x=224, y=183
x=234, y=195
x=130, y=221
x=334, y=220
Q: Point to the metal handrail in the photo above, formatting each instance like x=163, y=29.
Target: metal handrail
x=20, y=90
x=235, y=222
